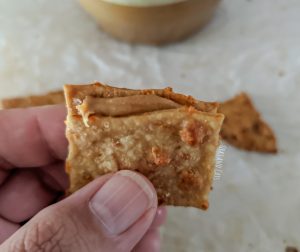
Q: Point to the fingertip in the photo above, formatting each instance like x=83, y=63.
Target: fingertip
x=160, y=217
x=162, y=214
x=37, y=137
x=53, y=117
x=54, y=176
x=122, y=201
x=28, y=192
x=143, y=182
x=3, y=176
x=150, y=242
x=7, y=229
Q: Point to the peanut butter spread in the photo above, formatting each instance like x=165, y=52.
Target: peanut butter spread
x=124, y=106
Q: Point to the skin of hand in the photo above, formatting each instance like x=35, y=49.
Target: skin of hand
x=116, y=212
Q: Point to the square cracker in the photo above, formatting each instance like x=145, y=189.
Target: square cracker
x=174, y=148
x=243, y=126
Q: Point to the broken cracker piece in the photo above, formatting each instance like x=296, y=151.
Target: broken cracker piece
x=243, y=126
x=168, y=137
x=33, y=101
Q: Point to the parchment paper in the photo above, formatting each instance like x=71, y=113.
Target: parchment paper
x=252, y=46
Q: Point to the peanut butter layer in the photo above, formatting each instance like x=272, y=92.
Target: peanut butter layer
x=103, y=91
x=78, y=93
x=124, y=106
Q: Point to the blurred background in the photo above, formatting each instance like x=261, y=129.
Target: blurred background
x=249, y=45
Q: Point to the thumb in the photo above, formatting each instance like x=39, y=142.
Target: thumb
x=112, y=213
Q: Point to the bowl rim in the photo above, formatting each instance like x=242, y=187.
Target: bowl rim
x=143, y=3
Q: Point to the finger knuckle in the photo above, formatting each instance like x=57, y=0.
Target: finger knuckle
x=50, y=233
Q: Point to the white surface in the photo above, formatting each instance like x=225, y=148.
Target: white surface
x=251, y=45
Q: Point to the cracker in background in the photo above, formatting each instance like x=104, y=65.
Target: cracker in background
x=33, y=101
x=243, y=126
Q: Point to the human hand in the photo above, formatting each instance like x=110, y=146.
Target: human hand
x=116, y=212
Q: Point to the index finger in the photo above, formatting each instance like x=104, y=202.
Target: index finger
x=33, y=137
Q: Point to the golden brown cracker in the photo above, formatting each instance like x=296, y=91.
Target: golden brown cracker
x=34, y=100
x=243, y=126
x=174, y=148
